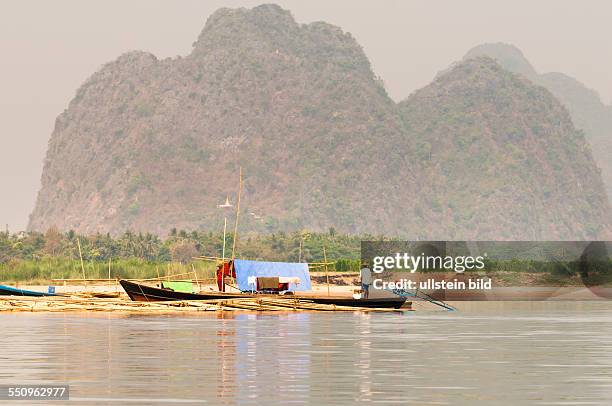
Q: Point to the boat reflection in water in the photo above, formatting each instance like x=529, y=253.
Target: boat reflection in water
x=426, y=357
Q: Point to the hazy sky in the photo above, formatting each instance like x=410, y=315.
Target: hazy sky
x=48, y=48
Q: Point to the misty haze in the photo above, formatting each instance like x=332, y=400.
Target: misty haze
x=45, y=64
x=306, y=202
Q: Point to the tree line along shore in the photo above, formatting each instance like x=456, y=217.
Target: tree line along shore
x=35, y=257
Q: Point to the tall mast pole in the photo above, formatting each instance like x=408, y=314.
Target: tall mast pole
x=81, y=256
x=326, y=271
x=225, y=206
x=237, y=217
x=224, y=233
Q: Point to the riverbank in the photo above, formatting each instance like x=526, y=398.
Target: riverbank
x=347, y=288
x=46, y=270
x=115, y=287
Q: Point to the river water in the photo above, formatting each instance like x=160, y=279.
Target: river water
x=541, y=353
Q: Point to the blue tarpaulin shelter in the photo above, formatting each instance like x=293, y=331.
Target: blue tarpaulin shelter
x=245, y=269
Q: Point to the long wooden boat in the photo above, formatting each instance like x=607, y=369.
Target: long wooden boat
x=10, y=291
x=145, y=293
x=375, y=302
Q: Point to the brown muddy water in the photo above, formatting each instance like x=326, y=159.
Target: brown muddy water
x=489, y=353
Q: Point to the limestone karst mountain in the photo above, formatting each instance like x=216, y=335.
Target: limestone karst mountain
x=154, y=144
x=505, y=160
x=588, y=112
x=150, y=145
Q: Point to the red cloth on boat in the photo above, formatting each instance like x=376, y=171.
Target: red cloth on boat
x=222, y=271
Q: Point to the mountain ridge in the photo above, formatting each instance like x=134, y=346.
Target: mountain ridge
x=150, y=144
x=491, y=158
x=589, y=113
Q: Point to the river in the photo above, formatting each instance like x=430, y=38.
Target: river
x=538, y=353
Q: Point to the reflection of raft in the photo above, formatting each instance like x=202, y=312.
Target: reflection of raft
x=10, y=291
x=144, y=293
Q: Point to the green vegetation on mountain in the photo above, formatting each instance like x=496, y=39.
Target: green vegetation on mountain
x=588, y=112
x=504, y=159
x=150, y=144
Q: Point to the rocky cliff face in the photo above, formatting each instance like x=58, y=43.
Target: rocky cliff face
x=151, y=144
x=504, y=159
x=586, y=109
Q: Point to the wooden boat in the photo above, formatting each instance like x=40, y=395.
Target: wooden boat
x=375, y=303
x=10, y=291
x=144, y=293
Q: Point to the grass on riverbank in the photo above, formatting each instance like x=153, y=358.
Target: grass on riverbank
x=44, y=270
x=503, y=273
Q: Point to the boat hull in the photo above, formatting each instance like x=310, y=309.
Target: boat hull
x=10, y=291
x=144, y=293
x=373, y=303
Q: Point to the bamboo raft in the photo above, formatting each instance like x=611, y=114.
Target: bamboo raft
x=94, y=304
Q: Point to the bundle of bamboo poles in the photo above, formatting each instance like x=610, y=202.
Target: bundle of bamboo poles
x=92, y=304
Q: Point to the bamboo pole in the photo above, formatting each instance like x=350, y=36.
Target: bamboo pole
x=300, y=256
x=93, y=304
x=326, y=272
x=211, y=258
x=237, y=216
x=110, y=258
x=81, y=256
x=195, y=274
x=224, y=234
x=133, y=280
x=207, y=258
